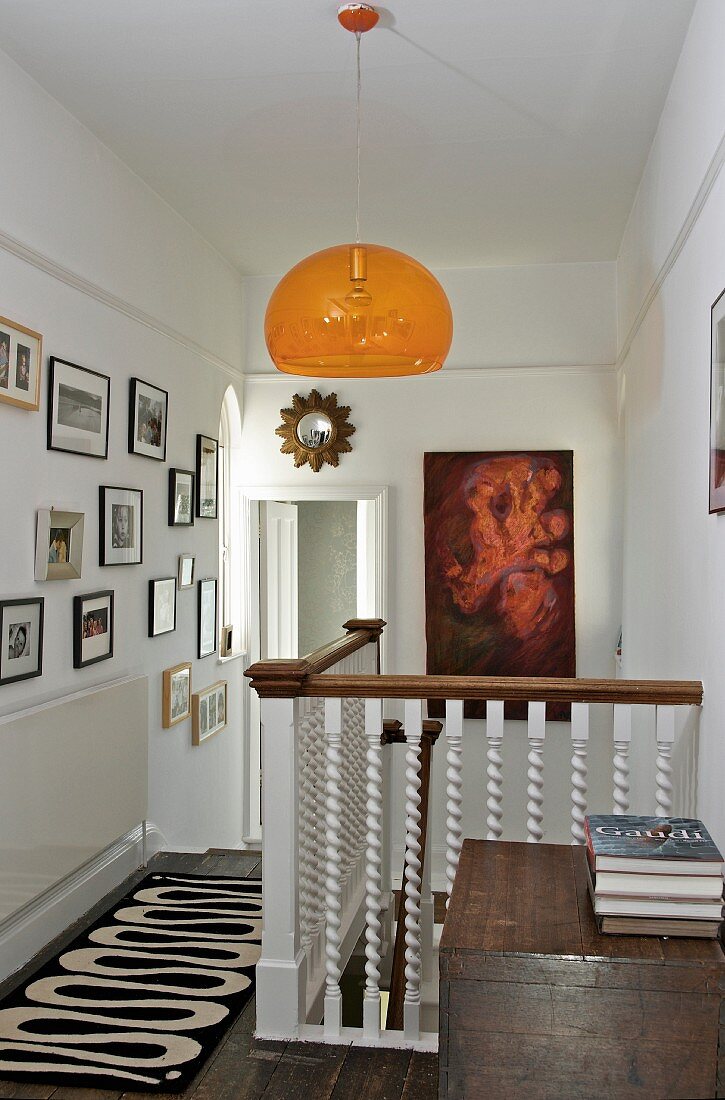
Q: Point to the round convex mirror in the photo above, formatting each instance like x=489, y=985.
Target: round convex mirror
x=314, y=430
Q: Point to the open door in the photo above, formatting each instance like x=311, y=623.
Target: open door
x=278, y=579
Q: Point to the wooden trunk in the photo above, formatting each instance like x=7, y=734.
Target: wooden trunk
x=534, y=1002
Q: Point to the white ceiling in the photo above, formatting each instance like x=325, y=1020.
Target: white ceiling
x=494, y=131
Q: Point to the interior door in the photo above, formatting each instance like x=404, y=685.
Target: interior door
x=278, y=579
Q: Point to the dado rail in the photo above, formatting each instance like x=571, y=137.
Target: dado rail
x=327, y=813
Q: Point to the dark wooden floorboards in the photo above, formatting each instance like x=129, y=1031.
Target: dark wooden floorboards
x=242, y=1067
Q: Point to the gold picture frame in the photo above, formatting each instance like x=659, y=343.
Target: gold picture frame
x=176, y=702
x=21, y=358
x=208, y=712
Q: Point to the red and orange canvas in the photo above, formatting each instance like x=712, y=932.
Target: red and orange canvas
x=499, y=567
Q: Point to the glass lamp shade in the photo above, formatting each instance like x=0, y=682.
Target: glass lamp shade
x=358, y=311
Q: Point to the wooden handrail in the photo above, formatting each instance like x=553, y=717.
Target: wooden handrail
x=508, y=689
x=285, y=677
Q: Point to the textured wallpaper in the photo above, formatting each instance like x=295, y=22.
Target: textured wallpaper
x=327, y=570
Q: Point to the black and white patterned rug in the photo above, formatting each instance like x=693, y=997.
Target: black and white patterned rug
x=141, y=998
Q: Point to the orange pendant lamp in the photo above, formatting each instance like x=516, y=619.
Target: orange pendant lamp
x=358, y=310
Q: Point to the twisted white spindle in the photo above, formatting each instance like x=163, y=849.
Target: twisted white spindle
x=622, y=739
x=665, y=740
x=535, y=773
x=413, y=878
x=346, y=790
x=317, y=769
x=454, y=789
x=306, y=828
x=494, y=770
x=373, y=866
x=360, y=771
x=333, y=884
x=579, y=743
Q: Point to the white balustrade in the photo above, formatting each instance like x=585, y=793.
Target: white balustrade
x=622, y=739
x=413, y=736
x=665, y=733
x=373, y=866
x=494, y=770
x=306, y=825
x=579, y=744
x=454, y=789
x=535, y=773
x=333, y=880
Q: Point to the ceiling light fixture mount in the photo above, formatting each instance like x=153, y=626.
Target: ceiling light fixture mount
x=358, y=310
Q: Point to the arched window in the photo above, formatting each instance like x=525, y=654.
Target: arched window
x=230, y=579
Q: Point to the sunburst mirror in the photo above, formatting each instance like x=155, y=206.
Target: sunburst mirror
x=315, y=430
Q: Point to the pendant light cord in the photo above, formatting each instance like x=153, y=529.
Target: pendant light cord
x=358, y=36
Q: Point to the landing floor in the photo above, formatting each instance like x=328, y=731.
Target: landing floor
x=242, y=1068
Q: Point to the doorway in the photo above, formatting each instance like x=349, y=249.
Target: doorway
x=316, y=557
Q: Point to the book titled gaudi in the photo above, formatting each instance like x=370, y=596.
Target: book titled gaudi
x=657, y=845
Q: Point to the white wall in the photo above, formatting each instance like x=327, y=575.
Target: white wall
x=139, y=294
x=397, y=420
x=672, y=258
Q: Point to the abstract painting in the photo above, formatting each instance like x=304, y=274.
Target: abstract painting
x=499, y=568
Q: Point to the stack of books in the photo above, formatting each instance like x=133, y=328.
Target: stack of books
x=654, y=876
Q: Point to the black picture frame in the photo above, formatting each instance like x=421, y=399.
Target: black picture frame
x=154, y=444
x=717, y=406
x=10, y=628
x=207, y=494
x=155, y=592
x=111, y=540
x=207, y=597
x=76, y=415
x=174, y=480
x=93, y=653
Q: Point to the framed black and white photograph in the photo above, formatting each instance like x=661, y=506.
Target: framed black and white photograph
x=207, y=476
x=176, y=705
x=21, y=356
x=78, y=409
x=21, y=639
x=181, y=498
x=186, y=570
x=58, y=545
x=207, y=616
x=147, y=414
x=120, y=536
x=92, y=628
x=162, y=606
x=209, y=712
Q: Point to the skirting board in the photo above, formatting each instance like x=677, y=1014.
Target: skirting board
x=30, y=929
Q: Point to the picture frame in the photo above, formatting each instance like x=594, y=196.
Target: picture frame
x=207, y=477
x=148, y=410
x=162, y=606
x=181, y=497
x=717, y=405
x=58, y=545
x=120, y=519
x=78, y=409
x=187, y=567
x=21, y=639
x=176, y=700
x=226, y=640
x=209, y=712
x=21, y=358
x=93, y=628
x=207, y=616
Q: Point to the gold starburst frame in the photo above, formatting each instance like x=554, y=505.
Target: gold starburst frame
x=300, y=445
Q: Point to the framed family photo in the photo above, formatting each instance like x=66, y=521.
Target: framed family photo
x=181, y=498
x=207, y=616
x=209, y=712
x=176, y=704
x=92, y=628
x=21, y=639
x=78, y=409
x=58, y=545
x=147, y=414
x=21, y=354
x=207, y=476
x=162, y=606
x=186, y=570
x=120, y=536
x=717, y=405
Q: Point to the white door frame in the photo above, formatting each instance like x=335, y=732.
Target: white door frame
x=375, y=587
